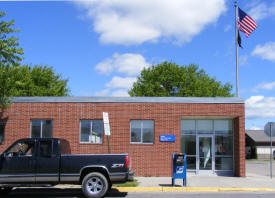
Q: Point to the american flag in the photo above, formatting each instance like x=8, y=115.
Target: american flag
x=246, y=24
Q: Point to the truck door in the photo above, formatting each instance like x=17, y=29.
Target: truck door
x=18, y=163
x=47, y=162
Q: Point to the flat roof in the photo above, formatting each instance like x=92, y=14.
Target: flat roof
x=203, y=100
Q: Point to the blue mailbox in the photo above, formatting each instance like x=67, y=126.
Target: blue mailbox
x=179, y=167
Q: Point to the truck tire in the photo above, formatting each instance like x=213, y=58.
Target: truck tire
x=95, y=185
x=5, y=190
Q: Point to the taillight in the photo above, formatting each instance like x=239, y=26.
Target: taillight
x=127, y=161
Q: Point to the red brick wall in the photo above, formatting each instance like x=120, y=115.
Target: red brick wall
x=147, y=160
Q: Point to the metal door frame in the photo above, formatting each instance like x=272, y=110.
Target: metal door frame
x=207, y=172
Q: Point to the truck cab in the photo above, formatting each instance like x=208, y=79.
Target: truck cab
x=48, y=161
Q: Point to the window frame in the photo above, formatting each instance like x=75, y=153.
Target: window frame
x=102, y=138
x=141, y=142
x=41, y=127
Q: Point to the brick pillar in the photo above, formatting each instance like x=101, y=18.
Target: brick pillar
x=239, y=146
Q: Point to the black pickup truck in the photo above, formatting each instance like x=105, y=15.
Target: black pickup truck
x=48, y=161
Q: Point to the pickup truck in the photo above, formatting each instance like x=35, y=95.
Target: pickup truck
x=44, y=162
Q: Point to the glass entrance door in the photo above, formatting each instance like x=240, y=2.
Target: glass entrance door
x=205, y=153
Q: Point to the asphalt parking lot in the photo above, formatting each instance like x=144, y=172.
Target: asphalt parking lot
x=56, y=193
x=260, y=168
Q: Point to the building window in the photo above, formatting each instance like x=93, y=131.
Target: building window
x=197, y=138
x=223, y=144
x=41, y=128
x=91, y=131
x=2, y=130
x=142, y=131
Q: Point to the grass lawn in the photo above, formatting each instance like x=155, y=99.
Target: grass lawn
x=127, y=184
x=259, y=160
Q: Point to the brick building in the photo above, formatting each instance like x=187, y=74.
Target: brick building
x=211, y=131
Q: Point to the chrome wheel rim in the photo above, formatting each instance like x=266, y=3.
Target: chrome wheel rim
x=94, y=185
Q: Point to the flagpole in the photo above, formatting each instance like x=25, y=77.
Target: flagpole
x=237, y=55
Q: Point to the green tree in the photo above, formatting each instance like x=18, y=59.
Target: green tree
x=10, y=56
x=35, y=80
x=10, y=52
x=170, y=79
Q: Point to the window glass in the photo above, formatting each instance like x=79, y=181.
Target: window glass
x=85, y=130
x=223, y=126
x=21, y=148
x=41, y=129
x=47, y=128
x=205, y=126
x=97, y=131
x=45, y=148
x=191, y=162
x=148, y=131
x=2, y=130
x=224, y=163
x=223, y=145
x=136, y=134
x=142, y=131
x=65, y=147
x=188, y=126
x=188, y=144
x=91, y=131
x=36, y=128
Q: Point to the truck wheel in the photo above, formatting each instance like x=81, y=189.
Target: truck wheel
x=95, y=185
x=5, y=190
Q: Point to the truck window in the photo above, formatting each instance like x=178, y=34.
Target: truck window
x=45, y=148
x=65, y=147
x=22, y=149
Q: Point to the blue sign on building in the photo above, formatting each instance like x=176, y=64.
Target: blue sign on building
x=167, y=138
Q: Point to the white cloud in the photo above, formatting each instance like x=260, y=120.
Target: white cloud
x=138, y=21
x=255, y=128
x=260, y=107
x=243, y=60
x=227, y=28
x=261, y=10
x=129, y=64
x=119, y=82
x=265, y=86
x=266, y=51
x=120, y=93
x=112, y=92
x=104, y=92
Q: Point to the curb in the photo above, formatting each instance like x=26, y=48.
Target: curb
x=190, y=189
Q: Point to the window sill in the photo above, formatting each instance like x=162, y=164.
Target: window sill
x=89, y=143
x=140, y=143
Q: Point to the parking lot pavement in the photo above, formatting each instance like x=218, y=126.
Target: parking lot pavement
x=56, y=193
x=77, y=193
x=260, y=168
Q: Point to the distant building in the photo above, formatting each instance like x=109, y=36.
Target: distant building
x=257, y=144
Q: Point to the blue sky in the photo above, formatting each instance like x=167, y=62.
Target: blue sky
x=101, y=46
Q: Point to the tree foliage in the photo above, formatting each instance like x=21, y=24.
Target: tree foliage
x=10, y=52
x=32, y=81
x=170, y=79
x=23, y=80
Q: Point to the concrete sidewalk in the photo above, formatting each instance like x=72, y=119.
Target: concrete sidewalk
x=203, y=184
x=251, y=181
x=257, y=176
